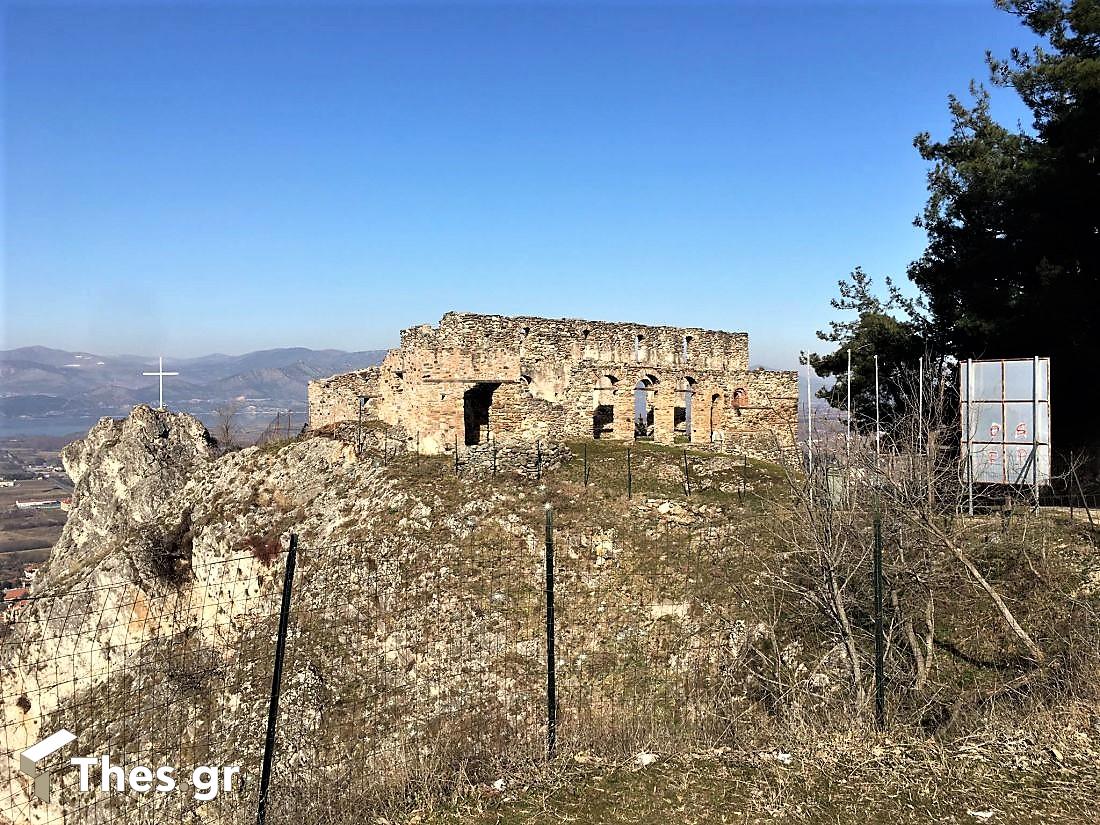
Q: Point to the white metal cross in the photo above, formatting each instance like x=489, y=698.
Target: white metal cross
x=160, y=373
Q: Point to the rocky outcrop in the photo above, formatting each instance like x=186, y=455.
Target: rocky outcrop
x=416, y=616
x=126, y=473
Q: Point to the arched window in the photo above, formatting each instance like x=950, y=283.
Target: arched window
x=644, y=391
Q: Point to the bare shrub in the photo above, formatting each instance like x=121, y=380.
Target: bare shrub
x=226, y=430
x=265, y=549
x=969, y=617
x=170, y=551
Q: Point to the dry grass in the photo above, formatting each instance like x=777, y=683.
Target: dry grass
x=988, y=734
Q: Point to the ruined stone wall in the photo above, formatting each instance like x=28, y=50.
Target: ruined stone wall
x=479, y=377
x=724, y=408
x=337, y=398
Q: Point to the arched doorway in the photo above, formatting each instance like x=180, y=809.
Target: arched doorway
x=603, y=406
x=644, y=392
x=681, y=413
x=715, y=423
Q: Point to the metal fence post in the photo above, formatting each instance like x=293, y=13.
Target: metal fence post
x=629, y=475
x=585, y=465
x=687, y=473
x=880, y=642
x=551, y=666
x=276, y=679
x=744, y=475
x=359, y=429
x=968, y=424
x=1084, y=499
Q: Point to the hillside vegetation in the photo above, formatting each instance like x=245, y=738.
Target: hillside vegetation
x=714, y=650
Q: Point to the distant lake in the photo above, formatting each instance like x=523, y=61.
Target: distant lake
x=49, y=425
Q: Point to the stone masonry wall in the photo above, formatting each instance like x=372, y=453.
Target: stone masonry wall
x=337, y=398
x=476, y=378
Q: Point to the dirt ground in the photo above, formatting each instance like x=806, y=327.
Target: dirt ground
x=26, y=536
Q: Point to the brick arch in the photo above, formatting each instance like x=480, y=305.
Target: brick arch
x=739, y=399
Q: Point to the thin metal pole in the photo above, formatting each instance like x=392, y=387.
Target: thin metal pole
x=920, y=404
x=880, y=641
x=848, y=436
x=629, y=475
x=687, y=473
x=456, y=453
x=1035, y=428
x=277, y=678
x=744, y=477
x=1084, y=500
x=551, y=665
x=809, y=426
x=970, y=433
x=359, y=429
x=878, y=428
x=585, y=465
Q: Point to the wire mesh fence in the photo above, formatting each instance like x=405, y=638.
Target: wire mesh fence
x=401, y=677
x=142, y=677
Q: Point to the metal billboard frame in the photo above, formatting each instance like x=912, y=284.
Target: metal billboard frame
x=1023, y=459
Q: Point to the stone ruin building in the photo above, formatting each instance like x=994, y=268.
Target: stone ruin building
x=480, y=379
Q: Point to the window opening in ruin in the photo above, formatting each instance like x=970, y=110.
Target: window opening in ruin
x=603, y=407
x=687, y=344
x=637, y=347
x=715, y=415
x=644, y=391
x=681, y=414
x=740, y=399
x=476, y=402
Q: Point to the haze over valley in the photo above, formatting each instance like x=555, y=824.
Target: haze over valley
x=52, y=391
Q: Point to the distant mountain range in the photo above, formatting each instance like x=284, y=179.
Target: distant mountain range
x=39, y=382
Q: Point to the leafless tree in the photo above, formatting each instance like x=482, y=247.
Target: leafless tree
x=911, y=484
x=226, y=430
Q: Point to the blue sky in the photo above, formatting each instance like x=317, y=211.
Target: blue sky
x=232, y=177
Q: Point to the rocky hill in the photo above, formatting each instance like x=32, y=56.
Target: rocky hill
x=416, y=657
x=416, y=607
